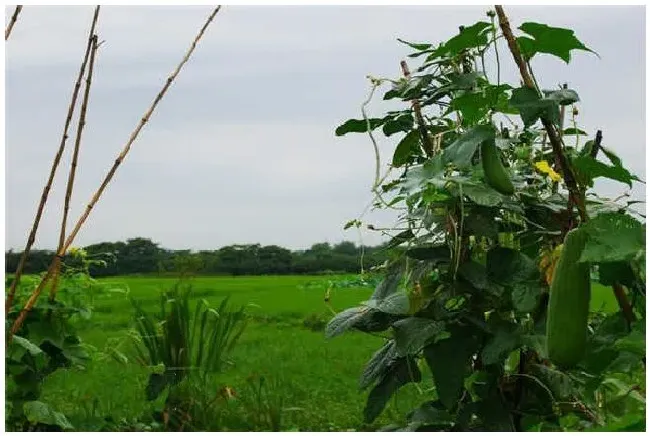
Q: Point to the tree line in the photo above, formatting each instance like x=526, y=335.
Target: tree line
x=143, y=256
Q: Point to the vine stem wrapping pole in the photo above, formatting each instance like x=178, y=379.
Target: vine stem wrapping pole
x=14, y=17
x=55, y=164
x=32, y=300
x=73, y=165
x=556, y=143
x=422, y=127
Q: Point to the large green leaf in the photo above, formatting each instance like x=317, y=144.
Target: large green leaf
x=555, y=41
x=402, y=372
x=620, y=272
x=401, y=123
x=38, y=412
x=378, y=365
x=460, y=152
x=475, y=35
x=343, y=321
x=525, y=296
x=434, y=253
x=395, y=304
x=633, y=343
x=532, y=107
x=505, y=265
x=613, y=237
x=448, y=360
x=359, y=126
x=389, y=284
x=482, y=194
x=474, y=273
x=416, y=45
x=562, y=97
x=588, y=169
x=498, y=348
x=411, y=334
x=408, y=147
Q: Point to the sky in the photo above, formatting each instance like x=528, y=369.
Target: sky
x=242, y=148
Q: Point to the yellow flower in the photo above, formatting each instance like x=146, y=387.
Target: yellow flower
x=543, y=167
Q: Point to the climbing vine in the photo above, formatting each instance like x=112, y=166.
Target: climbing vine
x=488, y=180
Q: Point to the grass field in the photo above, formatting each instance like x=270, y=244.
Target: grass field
x=316, y=379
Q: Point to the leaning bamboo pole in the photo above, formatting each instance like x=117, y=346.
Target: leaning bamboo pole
x=55, y=164
x=109, y=176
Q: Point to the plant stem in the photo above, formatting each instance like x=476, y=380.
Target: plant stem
x=55, y=163
x=75, y=156
x=421, y=125
x=39, y=289
x=14, y=17
x=556, y=143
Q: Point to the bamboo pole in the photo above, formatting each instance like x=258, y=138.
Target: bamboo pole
x=55, y=164
x=50, y=271
x=73, y=165
x=14, y=17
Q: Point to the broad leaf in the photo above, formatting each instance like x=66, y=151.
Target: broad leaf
x=400, y=238
x=563, y=97
x=389, y=284
x=532, y=107
x=38, y=412
x=551, y=40
x=460, y=152
x=401, y=123
x=634, y=343
x=505, y=265
x=359, y=126
x=474, y=273
x=613, y=237
x=415, y=45
x=448, y=360
x=589, y=169
x=408, y=147
x=411, y=334
x=610, y=273
x=378, y=365
x=435, y=253
x=499, y=347
x=343, y=321
x=470, y=37
x=395, y=304
x=402, y=372
x=525, y=296
x=27, y=345
x=482, y=194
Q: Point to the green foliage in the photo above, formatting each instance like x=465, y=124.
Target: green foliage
x=180, y=343
x=46, y=343
x=475, y=265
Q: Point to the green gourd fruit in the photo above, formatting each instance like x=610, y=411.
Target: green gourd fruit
x=568, y=306
x=495, y=174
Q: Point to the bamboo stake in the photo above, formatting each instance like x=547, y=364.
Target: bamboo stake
x=39, y=289
x=422, y=127
x=14, y=17
x=55, y=164
x=73, y=165
x=556, y=143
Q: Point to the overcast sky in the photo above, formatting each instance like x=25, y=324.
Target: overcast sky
x=242, y=149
